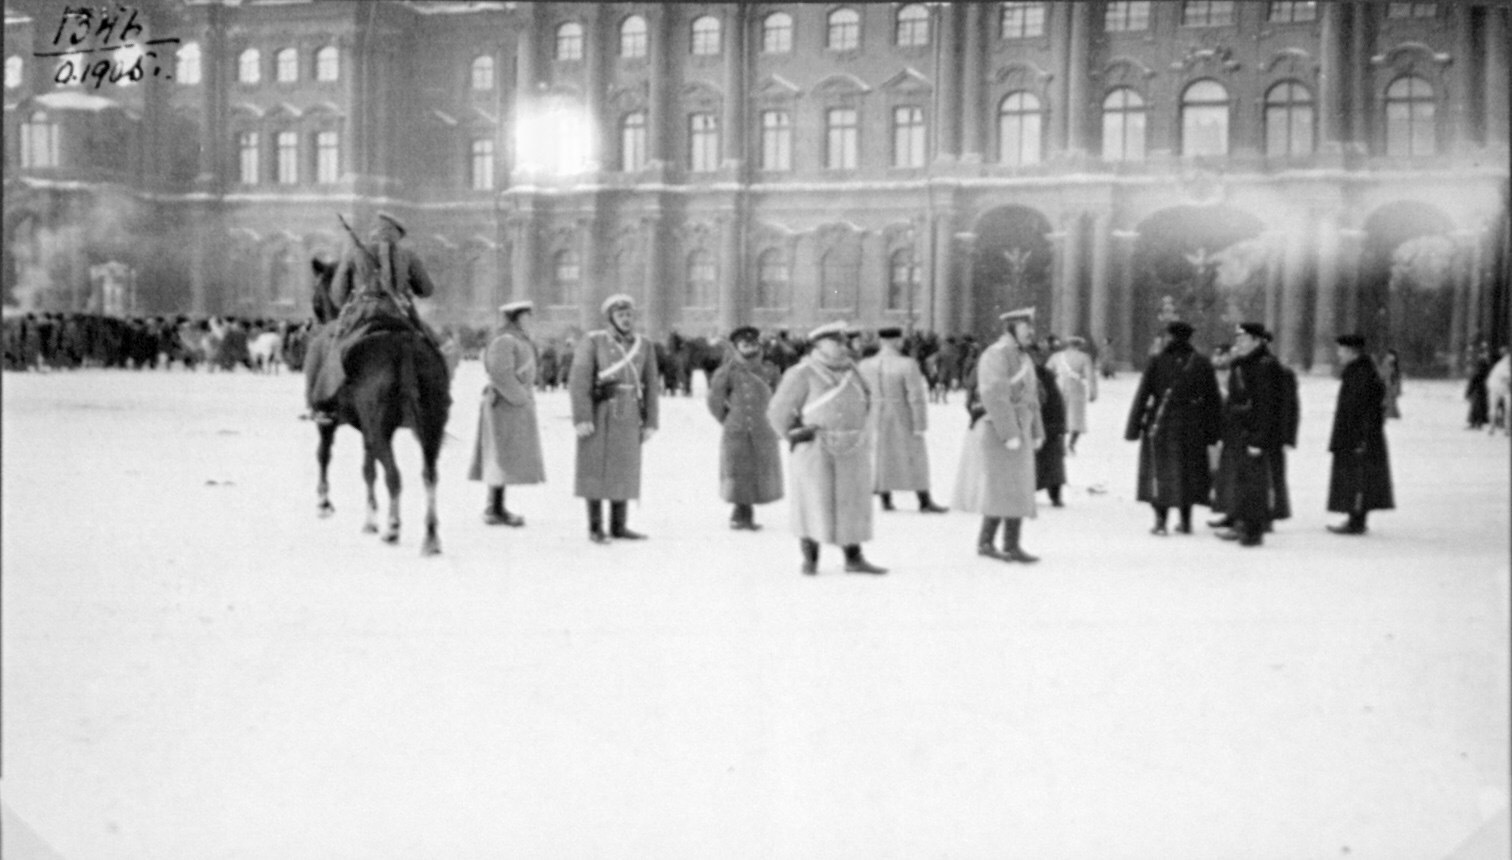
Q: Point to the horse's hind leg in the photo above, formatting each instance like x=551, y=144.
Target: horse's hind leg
x=385, y=455
x=323, y=456
x=432, y=543
x=369, y=476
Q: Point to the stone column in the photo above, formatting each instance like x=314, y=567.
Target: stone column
x=1463, y=70
x=1058, y=18
x=597, y=57
x=1293, y=349
x=1076, y=108
x=657, y=283
x=973, y=74
x=1323, y=356
x=1067, y=319
x=1460, y=317
x=1351, y=243
x=947, y=84
x=1274, y=260
x=1359, y=81
x=1123, y=268
x=962, y=248
x=1496, y=74
x=1051, y=323
x=732, y=137
x=1097, y=317
x=942, y=288
x=590, y=285
x=1477, y=319
x=523, y=259
x=659, y=51
x=215, y=63
x=730, y=311
x=1331, y=77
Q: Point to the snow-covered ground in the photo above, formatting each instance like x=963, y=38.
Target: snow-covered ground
x=195, y=666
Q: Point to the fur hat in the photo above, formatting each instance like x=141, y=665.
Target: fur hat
x=1180, y=330
x=745, y=332
x=889, y=331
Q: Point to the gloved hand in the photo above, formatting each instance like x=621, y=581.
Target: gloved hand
x=646, y=434
x=584, y=430
x=1014, y=444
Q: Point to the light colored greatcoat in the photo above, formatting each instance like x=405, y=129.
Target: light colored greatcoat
x=508, y=450
x=899, y=417
x=609, y=460
x=992, y=480
x=1077, y=378
x=829, y=478
x=750, y=467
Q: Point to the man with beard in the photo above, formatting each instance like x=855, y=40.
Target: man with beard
x=996, y=475
x=508, y=450
x=1360, y=480
x=899, y=417
x=821, y=407
x=615, y=393
x=1177, y=413
x=1252, y=431
x=750, y=467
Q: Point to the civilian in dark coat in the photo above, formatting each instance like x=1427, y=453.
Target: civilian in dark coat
x=1360, y=481
x=1050, y=459
x=1177, y=413
x=750, y=462
x=1252, y=433
x=1475, y=390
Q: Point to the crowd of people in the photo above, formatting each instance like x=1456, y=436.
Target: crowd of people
x=54, y=340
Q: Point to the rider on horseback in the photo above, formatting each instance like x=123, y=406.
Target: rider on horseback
x=374, y=286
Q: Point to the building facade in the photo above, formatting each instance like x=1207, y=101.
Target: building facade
x=1317, y=166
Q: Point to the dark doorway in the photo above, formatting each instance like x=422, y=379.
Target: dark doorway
x=1407, y=284
x=1204, y=265
x=1010, y=267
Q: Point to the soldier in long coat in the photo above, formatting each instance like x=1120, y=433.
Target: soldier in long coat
x=1050, y=459
x=1360, y=480
x=1177, y=413
x=750, y=467
x=1076, y=376
x=615, y=391
x=996, y=475
x=508, y=450
x=899, y=419
x=821, y=408
x=1252, y=433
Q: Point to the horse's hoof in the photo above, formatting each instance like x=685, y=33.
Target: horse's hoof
x=430, y=548
x=369, y=529
x=390, y=537
x=325, y=509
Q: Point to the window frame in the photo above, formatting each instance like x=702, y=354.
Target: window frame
x=842, y=143
x=1415, y=120
x=910, y=141
x=249, y=67
x=564, y=289
x=1006, y=115
x=1186, y=105
x=482, y=74
x=189, y=64
x=1210, y=13
x=848, y=30
x=633, y=158
x=327, y=64
x=568, y=44
x=1127, y=19
x=767, y=298
x=248, y=148
x=918, y=27
x=1029, y=18
x=1124, y=112
x=286, y=157
x=1290, y=108
x=634, y=44
x=286, y=66
x=480, y=164
x=703, y=142
x=771, y=33
x=706, y=42
x=324, y=176
x=778, y=132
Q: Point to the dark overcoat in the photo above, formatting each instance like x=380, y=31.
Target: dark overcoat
x=1360, y=479
x=1050, y=459
x=609, y=459
x=1252, y=418
x=1177, y=413
x=750, y=462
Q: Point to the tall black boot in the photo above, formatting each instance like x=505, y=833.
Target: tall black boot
x=1160, y=520
x=744, y=518
x=617, y=527
x=494, y=514
x=855, y=563
x=1011, y=528
x=1055, y=498
x=987, y=536
x=887, y=504
x=511, y=520
x=596, y=522
x=810, y=550
x=927, y=505
x=1186, y=520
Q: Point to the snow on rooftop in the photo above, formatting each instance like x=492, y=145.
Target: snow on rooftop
x=71, y=100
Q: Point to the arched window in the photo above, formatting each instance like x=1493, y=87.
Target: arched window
x=286, y=65
x=844, y=30
x=12, y=71
x=328, y=64
x=565, y=275
x=771, y=280
x=1410, y=127
x=912, y=26
x=703, y=143
x=249, y=66
x=903, y=283
x=1288, y=120
x=700, y=280
x=633, y=37
x=633, y=142
x=706, y=36
x=839, y=278
x=569, y=41
x=1204, y=119
x=483, y=74
x=1019, y=129
x=1123, y=126
x=777, y=33
x=187, y=65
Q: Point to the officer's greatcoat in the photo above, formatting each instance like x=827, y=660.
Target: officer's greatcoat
x=898, y=418
x=750, y=467
x=992, y=480
x=1360, y=480
x=508, y=450
x=829, y=477
x=609, y=460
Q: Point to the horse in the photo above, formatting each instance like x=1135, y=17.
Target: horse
x=393, y=380
x=267, y=351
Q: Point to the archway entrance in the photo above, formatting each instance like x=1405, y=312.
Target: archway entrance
x=1010, y=266
x=1204, y=265
x=1407, y=283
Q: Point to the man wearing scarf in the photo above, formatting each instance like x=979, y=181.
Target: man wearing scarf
x=997, y=474
x=615, y=390
x=821, y=407
x=750, y=467
x=508, y=450
x=1252, y=433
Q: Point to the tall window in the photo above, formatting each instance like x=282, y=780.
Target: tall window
x=569, y=41
x=1410, y=128
x=328, y=64
x=186, y=66
x=841, y=139
x=844, y=30
x=13, y=71
x=1294, y=13
x=1204, y=119
x=249, y=66
x=908, y=137
x=633, y=37
x=246, y=149
x=839, y=278
x=771, y=280
x=913, y=26
x=482, y=173
x=777, y=33
x=633, y=142
x=1019, y=123
x=1411, y=10
x=776, y=140
x=1124, y=16
x=700, y=280
x=565, y=275
x=1288, y=120
x=287, y=145
x=483, y=74
x=1207, y=13
x=1022, y=20
x=1123, y=135
x=327, y=157
x=706, y=36
x=286, y=65
x=703, y=143
x=903, y=284
x=39, y=142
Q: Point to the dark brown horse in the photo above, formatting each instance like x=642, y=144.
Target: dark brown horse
x=393, y=379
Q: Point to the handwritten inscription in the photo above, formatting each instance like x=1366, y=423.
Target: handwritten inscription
x=105, y=45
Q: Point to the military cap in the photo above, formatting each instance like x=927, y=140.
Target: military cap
x=387, y=216
x=1180, y=330
x=838, y=330
x=745, y=332
x=889, y=331
x=1026, y=314
x=1253, y=329
x=1353, y=341
x=513, y=308
x=618, y=300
